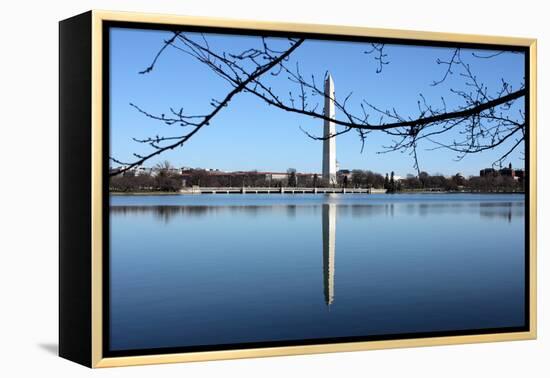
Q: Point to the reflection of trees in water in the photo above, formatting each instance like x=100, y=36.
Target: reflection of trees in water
x=291, y=211
x=502, y=210
x=166, y=213
x=430, y=208
x=486, y=209
x=389, y=209
x=362, y=210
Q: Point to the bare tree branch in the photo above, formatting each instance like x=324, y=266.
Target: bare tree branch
x=260, y=70
x=483, y=120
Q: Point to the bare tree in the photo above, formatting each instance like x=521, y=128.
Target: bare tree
x=239, y=83
x=485, y=119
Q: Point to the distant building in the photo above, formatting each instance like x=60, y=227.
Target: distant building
x=507, y=172
x=485, y=172
x=457, y=175
x=519, y=174
x=516, y=174
x=143, y=171
x=344, y=173
x=274, y=176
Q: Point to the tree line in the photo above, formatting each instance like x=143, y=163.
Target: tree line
x=168, y=179
x=490, y=183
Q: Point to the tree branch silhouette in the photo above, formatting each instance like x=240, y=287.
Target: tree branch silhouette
x=484, y=120
x=203, y=120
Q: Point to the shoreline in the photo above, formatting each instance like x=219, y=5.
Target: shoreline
x=367, y=194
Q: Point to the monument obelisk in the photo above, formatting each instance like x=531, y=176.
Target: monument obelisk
x=329, y=144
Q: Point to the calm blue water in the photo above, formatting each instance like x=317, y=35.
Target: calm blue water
x=189, y=270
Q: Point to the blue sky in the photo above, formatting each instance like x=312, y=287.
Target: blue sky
x=249, y=135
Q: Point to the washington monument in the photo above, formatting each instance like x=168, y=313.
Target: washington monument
x=329, y=144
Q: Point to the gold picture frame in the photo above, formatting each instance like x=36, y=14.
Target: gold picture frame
x=96, y=19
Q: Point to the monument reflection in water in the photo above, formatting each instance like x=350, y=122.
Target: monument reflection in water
x=223, y=269
x=329, y=250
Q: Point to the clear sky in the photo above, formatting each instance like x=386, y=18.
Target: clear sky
x=249, y=135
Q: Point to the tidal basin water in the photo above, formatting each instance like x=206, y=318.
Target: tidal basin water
x=202, y=270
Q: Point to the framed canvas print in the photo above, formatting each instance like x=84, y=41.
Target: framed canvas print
x=236, y=189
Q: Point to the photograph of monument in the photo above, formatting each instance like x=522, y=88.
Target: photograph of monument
x=298, y=189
